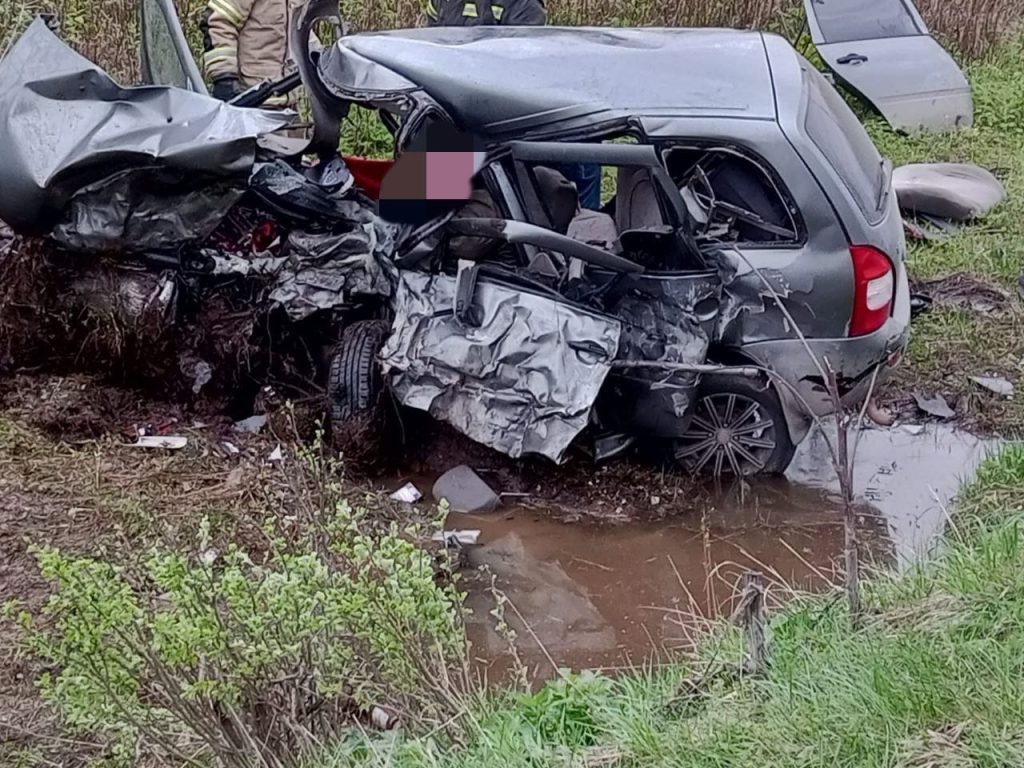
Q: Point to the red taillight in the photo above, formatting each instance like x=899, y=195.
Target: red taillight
x=874, y=283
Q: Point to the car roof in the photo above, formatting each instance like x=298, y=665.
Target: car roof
x=508, y=80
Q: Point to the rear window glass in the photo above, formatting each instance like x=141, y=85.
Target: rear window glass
x=837, y=132
x=842, y=21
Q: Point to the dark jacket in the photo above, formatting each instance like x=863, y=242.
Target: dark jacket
x=467, y=13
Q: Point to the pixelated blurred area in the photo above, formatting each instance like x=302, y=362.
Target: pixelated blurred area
x=432, y=177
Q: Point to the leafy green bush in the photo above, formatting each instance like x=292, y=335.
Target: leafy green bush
x=251, y=655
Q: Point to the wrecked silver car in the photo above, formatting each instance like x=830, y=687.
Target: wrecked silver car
x=747, y=237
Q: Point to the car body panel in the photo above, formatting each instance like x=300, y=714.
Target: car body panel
x=882, y=50
x=497, y=81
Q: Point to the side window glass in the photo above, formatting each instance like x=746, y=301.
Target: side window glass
x=162, y=61
x=732, y=198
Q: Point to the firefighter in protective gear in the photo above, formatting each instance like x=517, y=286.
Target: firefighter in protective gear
x=245, y=43
x=467, y=13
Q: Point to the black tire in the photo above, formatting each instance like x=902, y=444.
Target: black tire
x=738, y=424
x=355, y=383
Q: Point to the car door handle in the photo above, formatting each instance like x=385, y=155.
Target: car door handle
x=852, y=58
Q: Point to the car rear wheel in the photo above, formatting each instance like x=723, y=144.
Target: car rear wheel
x=738, y=428
x=355, y=385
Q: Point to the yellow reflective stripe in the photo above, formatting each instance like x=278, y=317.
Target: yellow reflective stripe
x=497, y=10
x=228, y=11
x=210, y=62
x=432, y=9
x=225, y=54
x=469, y=10
x=221, y=51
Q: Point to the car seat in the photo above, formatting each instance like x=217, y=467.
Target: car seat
x=636, y=200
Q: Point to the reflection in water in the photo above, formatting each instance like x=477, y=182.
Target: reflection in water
x=606, y=595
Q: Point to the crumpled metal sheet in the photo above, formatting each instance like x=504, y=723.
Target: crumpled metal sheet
x=129, y=212
x=284, y=188
x=325, y=270
x=665, y=319
x=65, y=124
x=523, y=382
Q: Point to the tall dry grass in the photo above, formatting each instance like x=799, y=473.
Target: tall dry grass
x=105, y=30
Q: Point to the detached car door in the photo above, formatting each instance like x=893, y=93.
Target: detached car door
x=166, y=58
x=882, y=50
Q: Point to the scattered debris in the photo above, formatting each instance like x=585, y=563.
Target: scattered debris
x=171, y=442
x=996, y=384
x=919, y=304
x=276, y=455
x=382, y=719
x=202, y=374
x=964, y=292
x=465, y=491
x=252, y=425
x=934, y=406
x=234, y=478
x=463, y=538
x=231, y=448
x=946, y=192
x=881, y=416
x=408, y=494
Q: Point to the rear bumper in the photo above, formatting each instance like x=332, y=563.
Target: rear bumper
x=801, y=363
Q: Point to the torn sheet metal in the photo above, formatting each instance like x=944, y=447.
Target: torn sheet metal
x=290, y=193
x=65, y=125
x=882, y=50
x=522, y=382
x=325, y=270
x=665, y=319
x=954, y=191
x=131, y=212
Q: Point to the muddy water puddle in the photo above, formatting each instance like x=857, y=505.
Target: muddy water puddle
x=593, y=595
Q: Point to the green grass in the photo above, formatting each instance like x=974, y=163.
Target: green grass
x=935, y=678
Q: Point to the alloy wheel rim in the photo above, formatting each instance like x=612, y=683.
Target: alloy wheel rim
x=728, y=434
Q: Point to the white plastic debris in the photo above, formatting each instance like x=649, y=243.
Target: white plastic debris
x=276, y=455
x=252, y=425
x=934, y=406
x=382, y=719
x=408, y=493
x=170, y=442
x=996, y=384
x=231, y=448
x=457, y=538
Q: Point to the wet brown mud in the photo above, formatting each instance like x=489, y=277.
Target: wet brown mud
x=609, y=593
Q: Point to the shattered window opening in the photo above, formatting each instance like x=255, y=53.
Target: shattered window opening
x=732, y=197
x=633, y=218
